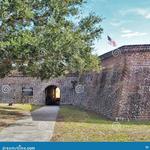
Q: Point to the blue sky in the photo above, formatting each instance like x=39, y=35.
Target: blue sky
x=125, y=21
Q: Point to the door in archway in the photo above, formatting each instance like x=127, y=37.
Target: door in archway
x=52, y=94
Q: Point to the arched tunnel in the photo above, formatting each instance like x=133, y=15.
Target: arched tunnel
x=52, y=95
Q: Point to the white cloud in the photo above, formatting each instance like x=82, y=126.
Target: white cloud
x=147, y=16
x=117, y=23
x=133, y=34
x=126, y=31
x=129, y=33
x=138, y=11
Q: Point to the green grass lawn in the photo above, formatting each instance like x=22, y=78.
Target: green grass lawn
x=9, y=114
x=74, y=124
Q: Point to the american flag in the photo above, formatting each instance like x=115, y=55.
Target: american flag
x=111, y=42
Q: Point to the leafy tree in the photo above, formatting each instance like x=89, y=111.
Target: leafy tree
x=47, y=38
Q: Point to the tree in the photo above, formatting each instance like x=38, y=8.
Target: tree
x=47, y=38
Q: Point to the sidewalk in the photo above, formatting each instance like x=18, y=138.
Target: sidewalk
x=36, y=126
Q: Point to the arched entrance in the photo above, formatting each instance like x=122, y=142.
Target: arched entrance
x=52, y=95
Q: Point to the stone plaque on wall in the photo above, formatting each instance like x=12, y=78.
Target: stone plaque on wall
x=27, y=91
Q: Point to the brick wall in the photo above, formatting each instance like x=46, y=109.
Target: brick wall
x=18, y=82
x=135, y=103
x=121, y=90
x=103, y=90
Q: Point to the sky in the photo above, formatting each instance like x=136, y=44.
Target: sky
x=125, y=21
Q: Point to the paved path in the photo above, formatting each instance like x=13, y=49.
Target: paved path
x=35, y=126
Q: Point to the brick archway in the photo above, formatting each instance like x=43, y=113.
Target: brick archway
x=52, y=95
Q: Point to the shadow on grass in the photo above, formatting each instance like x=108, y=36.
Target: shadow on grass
x=7, y=113
x=8, y=117
x=8, y=108
x=75, y=114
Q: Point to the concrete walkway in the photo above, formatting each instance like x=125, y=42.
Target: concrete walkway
x=36, y=126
